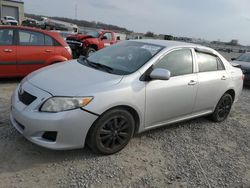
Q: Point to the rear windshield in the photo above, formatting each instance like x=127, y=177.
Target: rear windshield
x=244, y=57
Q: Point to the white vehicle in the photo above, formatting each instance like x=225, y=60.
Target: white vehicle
x=9, y=20
x=47, y=23
x=127, y=88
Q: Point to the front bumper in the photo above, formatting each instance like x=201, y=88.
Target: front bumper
x=71, y=127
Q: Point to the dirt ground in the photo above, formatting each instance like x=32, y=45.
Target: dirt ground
x=196, y=153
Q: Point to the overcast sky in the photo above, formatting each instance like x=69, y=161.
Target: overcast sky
x=206, y=19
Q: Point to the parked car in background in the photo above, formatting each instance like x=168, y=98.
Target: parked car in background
x=87, y=44
x=30, y=22
x=9, y=20
x=128, y=88
x=52, y=24
x=244, y=62
x=25, y=49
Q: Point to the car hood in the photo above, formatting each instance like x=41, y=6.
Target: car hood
x=78, y=37
x=72, y=79
x=244, y=65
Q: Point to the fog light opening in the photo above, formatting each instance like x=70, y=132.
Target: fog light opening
x=50, y=136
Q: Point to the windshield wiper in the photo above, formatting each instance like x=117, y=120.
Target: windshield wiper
x=96, y=65
x=104, y=67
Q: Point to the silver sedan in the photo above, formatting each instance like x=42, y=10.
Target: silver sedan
x=128, y=88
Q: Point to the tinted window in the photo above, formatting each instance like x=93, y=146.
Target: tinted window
x=220, y=64
x=108, y=35
x=179, y=62
x=6, y=37
x=208, y=62
x=48, y=41
x=30, y=38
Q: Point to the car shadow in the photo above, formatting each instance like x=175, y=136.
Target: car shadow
x=22, y=154
x=246, y=87
x=10, y=80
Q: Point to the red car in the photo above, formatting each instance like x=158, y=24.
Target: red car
x=91, y=42
x=24, y=49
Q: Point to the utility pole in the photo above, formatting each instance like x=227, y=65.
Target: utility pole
x=76, y=11
x=0, y=11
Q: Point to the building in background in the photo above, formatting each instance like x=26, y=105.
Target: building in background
x=14, y=8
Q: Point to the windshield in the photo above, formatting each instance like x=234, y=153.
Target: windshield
x=123, y=58
x=9, y=18
x=244, y=57
x=94, y=34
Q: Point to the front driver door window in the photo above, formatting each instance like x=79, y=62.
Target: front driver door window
x=167, y=100
x=107, y=42
x=7, y=53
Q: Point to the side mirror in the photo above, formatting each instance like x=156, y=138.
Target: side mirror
x=160, y=74
x=104, y=38
x=233, y=59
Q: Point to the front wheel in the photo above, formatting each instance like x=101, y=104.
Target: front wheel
x=223, y=108
x=89, y=52
x=111, y=132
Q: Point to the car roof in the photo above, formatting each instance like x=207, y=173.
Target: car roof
x=167, y=43
x=176, y=44
x=55, y=35
x=26, y=28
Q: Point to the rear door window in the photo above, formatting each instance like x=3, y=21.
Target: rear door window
x=6, y=37
x=48, y=41
x=31, y=38
x=207, y=62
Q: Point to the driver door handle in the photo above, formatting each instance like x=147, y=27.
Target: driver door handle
x=192, y=83
x=7, y=50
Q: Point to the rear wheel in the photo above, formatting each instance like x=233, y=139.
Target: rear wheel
x=111, y=132
x=223, y=108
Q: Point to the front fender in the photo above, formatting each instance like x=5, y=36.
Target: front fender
x=55, y=59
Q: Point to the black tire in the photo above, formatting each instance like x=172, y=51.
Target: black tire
x=223, y=108
x=89, y=51
x=111, y=132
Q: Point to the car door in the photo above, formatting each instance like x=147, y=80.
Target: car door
x=213, y=81
x=108, y=39
x=172, y=99
x=7, y=53
x=32, y=53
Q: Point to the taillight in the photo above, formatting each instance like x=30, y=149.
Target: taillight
x=68, y=49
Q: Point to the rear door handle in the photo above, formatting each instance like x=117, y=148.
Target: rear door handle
x=192, y=83
x=7, y=50
x=48, y=51
x=223, y=78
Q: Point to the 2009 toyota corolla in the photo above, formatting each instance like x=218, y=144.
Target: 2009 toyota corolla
x=130, y=87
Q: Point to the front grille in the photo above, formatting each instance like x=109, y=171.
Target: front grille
x=74, y=44
x=26, y=98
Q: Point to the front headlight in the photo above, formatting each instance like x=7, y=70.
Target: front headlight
x=59, y=104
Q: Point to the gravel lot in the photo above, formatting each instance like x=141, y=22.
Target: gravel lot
x=197, y=153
